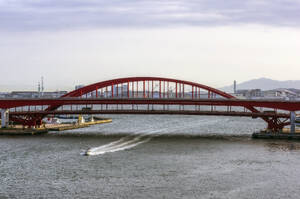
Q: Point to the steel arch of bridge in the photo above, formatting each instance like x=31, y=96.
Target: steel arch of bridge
x=144, y=80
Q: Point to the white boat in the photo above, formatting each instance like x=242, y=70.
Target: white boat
x=53, y=120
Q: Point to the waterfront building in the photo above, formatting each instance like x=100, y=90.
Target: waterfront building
x=280, y=94
x=249, y=94
x=3, y=94
x=33, y=94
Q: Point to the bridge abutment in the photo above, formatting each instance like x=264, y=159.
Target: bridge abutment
x=4, y=118
x=292, y=119
x=290, y=133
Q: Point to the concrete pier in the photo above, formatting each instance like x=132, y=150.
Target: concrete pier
x=282, y=135
x=292, y=119
x=4, y=118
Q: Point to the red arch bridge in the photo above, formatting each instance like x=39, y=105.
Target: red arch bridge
x=149, y=95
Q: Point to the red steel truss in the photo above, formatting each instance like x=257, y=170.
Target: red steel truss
x=148, y=91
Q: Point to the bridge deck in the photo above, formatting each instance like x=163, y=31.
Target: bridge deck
x=162, y=112
x=275, y=104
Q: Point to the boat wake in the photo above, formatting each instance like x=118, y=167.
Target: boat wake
x=119, y=145
x=124, y=143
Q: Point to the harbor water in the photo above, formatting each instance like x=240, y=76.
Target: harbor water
x=151, y=156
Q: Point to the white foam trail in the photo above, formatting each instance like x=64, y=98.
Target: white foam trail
x=113, y=145
x=107, y=145
x=119, y=147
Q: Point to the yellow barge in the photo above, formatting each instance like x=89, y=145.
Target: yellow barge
x=19, y=130
x=63, y=127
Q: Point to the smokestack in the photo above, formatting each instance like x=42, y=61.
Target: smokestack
x=42, y=89
x=234, y=86
x=39, y=89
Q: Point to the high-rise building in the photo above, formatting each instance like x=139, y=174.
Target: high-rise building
x=234, y=86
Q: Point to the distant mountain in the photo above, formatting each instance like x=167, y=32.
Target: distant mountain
x=263, y=84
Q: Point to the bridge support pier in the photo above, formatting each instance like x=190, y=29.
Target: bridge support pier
x=4, y=118
x=292, y=119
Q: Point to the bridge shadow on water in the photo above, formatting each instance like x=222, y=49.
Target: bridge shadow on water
x=152, y=135
x=283, y=146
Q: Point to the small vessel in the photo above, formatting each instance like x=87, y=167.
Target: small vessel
x=85, y=153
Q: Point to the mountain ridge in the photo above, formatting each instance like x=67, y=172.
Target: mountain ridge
x=263, y=84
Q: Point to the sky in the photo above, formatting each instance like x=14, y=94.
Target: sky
x=213, y=42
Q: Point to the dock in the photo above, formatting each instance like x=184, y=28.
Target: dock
x=19, y=130
x=63, y=127
x=284, y=134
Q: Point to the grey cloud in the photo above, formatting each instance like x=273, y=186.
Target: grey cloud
x=62, y=14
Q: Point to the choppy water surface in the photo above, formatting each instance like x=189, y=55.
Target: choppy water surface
x=151, y=157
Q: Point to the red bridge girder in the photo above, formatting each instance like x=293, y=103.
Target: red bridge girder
x=281, y=105
x=274, y=123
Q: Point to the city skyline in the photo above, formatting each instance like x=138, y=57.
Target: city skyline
x=210, y=42
x=259, y=83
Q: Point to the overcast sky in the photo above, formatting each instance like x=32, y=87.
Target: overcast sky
x=212, y=42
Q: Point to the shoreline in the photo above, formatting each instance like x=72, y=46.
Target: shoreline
x=284, y=134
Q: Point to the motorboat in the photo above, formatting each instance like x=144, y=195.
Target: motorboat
x=85, y=153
